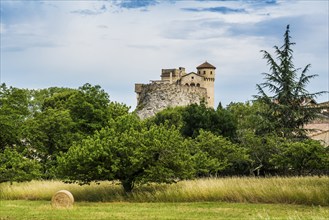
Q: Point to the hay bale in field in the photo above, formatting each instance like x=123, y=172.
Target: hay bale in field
x=62, y=199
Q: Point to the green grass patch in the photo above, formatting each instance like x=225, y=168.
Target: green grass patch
x=275, y=190
x=22, y=209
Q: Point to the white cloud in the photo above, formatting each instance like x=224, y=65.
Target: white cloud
x=113, y=46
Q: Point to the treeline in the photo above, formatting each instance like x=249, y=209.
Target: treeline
x=79, y=135
x=41, y=124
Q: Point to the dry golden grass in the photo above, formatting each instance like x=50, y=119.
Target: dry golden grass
x=292, y=190
x=44, y=190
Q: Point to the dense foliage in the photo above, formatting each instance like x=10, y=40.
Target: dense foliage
x=14, y=109
x=129, y=151
x=190, y=120
x=79, y=135
x=15, y=167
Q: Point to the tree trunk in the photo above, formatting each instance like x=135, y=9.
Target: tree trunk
x=128, y=185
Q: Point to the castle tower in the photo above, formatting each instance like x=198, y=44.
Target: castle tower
x=207, y=71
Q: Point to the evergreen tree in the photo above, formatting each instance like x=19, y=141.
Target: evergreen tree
x=287, y=110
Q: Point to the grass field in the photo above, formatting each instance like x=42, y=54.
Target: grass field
x=293, y=190
x=18, y=209
x=217, y=198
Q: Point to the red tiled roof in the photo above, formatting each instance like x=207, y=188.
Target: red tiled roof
x=206, y=65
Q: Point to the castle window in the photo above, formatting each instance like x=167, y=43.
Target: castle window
x=192, y=77
x=198, y=85
x=199, y=72
x=186, y=84
x=204, y=72
x=192, y=84
x=210, y=72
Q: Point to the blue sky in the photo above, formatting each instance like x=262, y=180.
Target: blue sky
x=118, y=43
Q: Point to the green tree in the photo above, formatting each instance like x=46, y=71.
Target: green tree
x=14, y=167
x=249, y=118
x=13, y=112
x=172, y=116
x=260, y=150
x=286, y=111
x=226, y=122
x=48, y=133
x=128, y=151
x=62, y=116
x=196, y=117
x=192, y=118
x=38, y=97
x=89, y=108
x=302, y=158
x=215, y=155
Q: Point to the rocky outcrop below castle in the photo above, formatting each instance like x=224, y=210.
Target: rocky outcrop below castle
x=153, y=97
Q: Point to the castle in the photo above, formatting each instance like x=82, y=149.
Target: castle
x=176, y=88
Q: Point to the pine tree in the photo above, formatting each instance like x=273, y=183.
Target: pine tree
x=288, y=111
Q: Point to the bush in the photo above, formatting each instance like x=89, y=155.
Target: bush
x=302, y=158
x=218, y=156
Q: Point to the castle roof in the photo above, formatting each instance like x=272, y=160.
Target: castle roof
x=206, y=65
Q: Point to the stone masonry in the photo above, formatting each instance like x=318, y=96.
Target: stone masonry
x=176, y=88
x=156, y=97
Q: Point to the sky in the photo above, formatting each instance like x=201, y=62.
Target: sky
x=117, y=43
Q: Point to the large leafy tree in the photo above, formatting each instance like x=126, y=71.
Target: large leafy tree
x=286, y=111
x=89, y=107
x=260, y=150
x=131, y=152
x=13, y=112
x=48, y=133
x=62, y=116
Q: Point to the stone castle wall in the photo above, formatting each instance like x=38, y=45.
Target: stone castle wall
x=153, y=98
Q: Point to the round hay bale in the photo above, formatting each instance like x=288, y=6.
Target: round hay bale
x=62, y=199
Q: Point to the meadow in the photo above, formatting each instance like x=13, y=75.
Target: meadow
x=213, y=198
x=27, y=210
x=292, y=190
